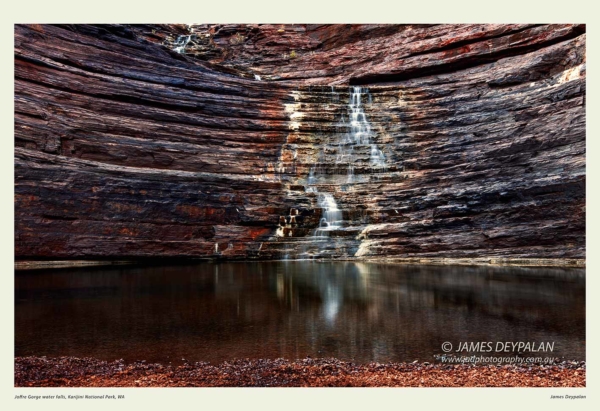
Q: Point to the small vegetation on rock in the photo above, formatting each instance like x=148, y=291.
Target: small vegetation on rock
x=236, y=39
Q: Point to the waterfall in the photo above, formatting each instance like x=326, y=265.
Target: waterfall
x=339, y=162
x=360, y=132
x=377, y=157
x=360, y=129
x=357, y=136
x=332, y=217
x=357, y=140
x=180, y=43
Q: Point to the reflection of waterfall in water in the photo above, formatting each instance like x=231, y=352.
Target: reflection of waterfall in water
x=359, y=312
x=332, y=301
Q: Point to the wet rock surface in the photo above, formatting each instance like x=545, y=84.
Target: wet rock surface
x=88, y=372
x=195, y=141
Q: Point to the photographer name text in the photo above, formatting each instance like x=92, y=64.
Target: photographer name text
x=507, y=346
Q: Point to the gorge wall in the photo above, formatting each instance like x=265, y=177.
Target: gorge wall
x=300, y=141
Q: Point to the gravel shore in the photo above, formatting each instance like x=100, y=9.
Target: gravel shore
x=326, y=372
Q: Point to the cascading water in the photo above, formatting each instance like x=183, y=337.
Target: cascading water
x=377, y=158
x=360, y=129
x=181, y=43
x=357, y=133
x=360, y=132
x=356, y=138
x=332, y=217
x=345, y=156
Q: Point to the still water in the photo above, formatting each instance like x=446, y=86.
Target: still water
x=359, y=312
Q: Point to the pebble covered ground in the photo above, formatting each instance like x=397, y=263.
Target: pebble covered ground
x=325, y=372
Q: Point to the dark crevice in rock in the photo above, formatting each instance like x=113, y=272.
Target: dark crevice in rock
x=182, y=83
x=59, y=217
x=462, y=43
x=464, y=64
x=134, y=101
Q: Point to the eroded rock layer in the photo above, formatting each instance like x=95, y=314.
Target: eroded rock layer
x=255, y=141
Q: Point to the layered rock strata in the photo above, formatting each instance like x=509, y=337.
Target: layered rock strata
x=217, y=141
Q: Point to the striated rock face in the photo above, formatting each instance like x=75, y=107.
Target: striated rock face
x=422, y=141
x=124, y=150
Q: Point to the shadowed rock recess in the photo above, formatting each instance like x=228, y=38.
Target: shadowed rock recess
x=417, y=142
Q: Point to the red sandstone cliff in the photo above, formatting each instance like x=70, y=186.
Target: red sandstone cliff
x=126, y=148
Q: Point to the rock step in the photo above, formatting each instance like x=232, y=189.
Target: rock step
x=310, y=247
x=312, y=235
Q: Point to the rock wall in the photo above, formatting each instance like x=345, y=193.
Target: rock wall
x=126, y=148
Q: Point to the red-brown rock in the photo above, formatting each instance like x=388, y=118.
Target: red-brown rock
x=126, y=148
